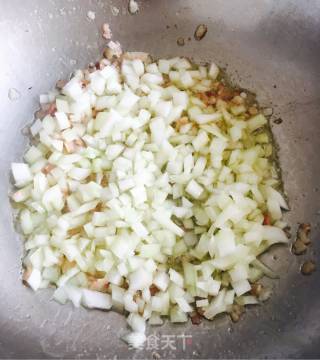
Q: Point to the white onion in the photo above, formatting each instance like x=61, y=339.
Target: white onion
x=136, y=170
x=194, y=189
x=34, y=279
x=21, y=174
x=96, y=299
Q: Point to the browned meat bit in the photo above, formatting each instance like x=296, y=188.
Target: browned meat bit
x=208, y=97
x=260, y=292
x=166, y=83
x=226, y=93
x=65, y=209
x=99, y=207
x=125, y=285
x=75, y=231
x=153, y=290
x=91, y=177
x=203, y=97
x=303, y=233
x=104, y=181
x=180, y=122
x=94, y=113
x=298, y=247
x=47, y=169
x=256, y=289
x=67, y=265
x=200, y=32
x=308, y=267
x=236, y=312
x=303, y=240
x=195, y=318
x=180, y=41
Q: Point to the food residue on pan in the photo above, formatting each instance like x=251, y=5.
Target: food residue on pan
x=200, y=32
x=302, y=241
x=106, y=31
x=308, y=267
x=114, y=10
x=180, y=41
x=91, y=15
x=133, y=7
x=278, y=121
x=236, y=312
x=14, y=94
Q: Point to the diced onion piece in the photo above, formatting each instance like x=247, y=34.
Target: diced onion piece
x=140, y=279
x=161, y=280
x=207, y=118
x=213, y=71
x=241, y=287
x=216, y=306
x=21, y=174
x=73, y=88
x=183, y=304
x=176, y=277
x=137, y=323
x=95, y=299
x=225, y=241
x=34, y=279
x=274, y=235
x=256, y=122
x=194, y=189
x=177, y=315
x=167, y=223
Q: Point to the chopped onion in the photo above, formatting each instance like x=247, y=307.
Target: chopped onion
x=96, y=299
x=139, y=163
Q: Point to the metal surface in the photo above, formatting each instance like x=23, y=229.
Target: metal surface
x=270, y=47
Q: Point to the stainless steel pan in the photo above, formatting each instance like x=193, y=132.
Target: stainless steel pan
x=268, y=46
